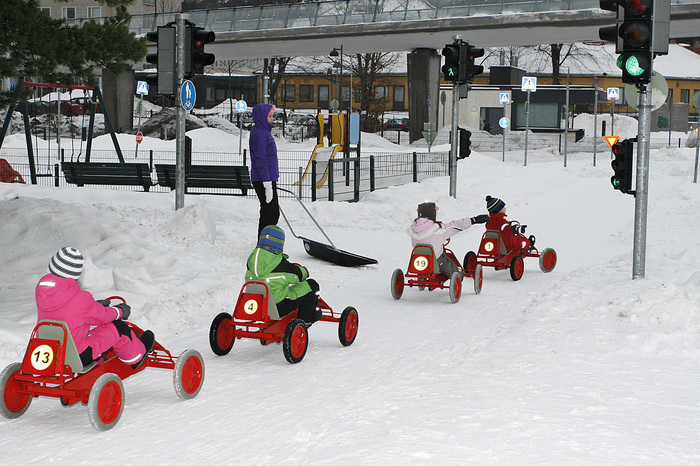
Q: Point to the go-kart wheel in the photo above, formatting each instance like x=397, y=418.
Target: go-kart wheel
x=478, y=278
x=455, y=287
x=470, y=262
x=517, y=267
x=188, y=375
x=397, y=284
x=221, y=337
x=12, y=404
x=548, y=260
x=347, y=326
x=296, y=340
x=106, y=401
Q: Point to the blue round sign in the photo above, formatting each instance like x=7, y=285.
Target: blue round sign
x=241, y=106
x=188, y=95
x=504, y=122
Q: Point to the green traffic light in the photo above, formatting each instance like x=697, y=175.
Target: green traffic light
x=633, y=67
x=616, y=182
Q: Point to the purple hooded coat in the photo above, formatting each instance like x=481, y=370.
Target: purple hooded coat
x=263, y=150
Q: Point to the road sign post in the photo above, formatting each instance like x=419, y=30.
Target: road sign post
x=529, y=84
x=180, y=120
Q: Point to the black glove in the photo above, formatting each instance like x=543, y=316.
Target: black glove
x=514, y=229
x=104, y=302
x=483, y=218
x=126, y=310
x=522, y=229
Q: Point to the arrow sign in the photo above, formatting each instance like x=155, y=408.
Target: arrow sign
x=611, y=140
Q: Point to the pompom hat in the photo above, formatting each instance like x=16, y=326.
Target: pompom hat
x=67, y=263
x=272, y=239
x=494, y=205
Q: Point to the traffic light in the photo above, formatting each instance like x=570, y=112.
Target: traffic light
x=450, y=69
x=470, y=69
x=623, y=151
x=633, y=37
x=164, y=58
x=198, y=59
x=464, y=143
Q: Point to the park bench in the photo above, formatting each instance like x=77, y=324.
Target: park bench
x=108, y=173
x=207, y=176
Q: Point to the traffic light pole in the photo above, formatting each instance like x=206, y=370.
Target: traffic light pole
x=180, y=117
x=454, y=142
x=640, y=205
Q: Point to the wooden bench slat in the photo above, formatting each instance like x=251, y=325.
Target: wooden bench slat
x=207, y=176
x=108, y=173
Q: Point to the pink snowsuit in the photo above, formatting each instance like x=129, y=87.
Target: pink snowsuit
x=89, y=322
x=426, y=231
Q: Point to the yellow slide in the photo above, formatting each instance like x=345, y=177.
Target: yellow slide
x=322, y=155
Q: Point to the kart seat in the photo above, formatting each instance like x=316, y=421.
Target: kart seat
x=53, y=332
x=261, y=288
x=424, y=250
x=492, y=238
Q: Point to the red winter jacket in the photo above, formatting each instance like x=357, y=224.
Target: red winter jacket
x=62, y=299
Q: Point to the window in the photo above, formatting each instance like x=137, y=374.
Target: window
x=306, y=92
x=685, y=95
x=46, y=10
x=211, y=93
x=68, y=12
x=381, y=92
x=288, y=92
x=94, y=12
x=149, y=2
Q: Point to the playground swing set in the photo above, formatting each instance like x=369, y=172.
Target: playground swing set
x=24, y=109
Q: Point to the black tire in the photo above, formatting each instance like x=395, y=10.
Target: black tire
x=188, y=374
x=397, y=284
x=478, y=278
x=517, y=267
x=470, y=262
x=455, y=287
x=347, y=326
x=548, y=260
x=106, y=402
x=12, y=404
x=296, y=341
x=221, y=337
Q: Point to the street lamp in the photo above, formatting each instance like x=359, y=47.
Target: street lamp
x=334, y=53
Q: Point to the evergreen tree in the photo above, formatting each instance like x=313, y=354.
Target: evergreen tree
x=34, y=45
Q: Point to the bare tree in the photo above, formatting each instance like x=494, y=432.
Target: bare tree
x=372, y=71
x=560, y=55
x=274, y=69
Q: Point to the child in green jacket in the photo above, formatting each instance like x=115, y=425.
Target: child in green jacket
x=289, y=283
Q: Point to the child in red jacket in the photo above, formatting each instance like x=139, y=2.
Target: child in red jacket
x=94, y=325
x=497, y=221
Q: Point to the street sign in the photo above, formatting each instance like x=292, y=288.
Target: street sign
x=241, y=106
x=696, y=100
x=529, y=84
x=611, y=140
x=613, y=93
x=142, y=87
x=188, y=95
x=504, y=98
x=139, y=137
x=504, y=122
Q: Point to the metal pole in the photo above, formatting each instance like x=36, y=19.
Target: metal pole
x=566, y=114
x=640, y=205
x=455, y=135
x=340, y=96
x=180, y=135
x=595, y=120
x=527, y=124
x=697, y=154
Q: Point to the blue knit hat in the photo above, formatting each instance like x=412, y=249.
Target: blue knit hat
x=272, y=239
x=494, y=205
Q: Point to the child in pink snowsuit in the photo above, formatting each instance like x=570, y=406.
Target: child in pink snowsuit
x=94, y=325
x=427, y=230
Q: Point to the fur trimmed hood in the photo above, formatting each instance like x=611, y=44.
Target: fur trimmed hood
x=422, y=229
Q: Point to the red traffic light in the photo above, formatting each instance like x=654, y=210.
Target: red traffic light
x=200, y=38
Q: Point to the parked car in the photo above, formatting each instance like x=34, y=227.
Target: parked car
x=396, y=124
x=84, y=103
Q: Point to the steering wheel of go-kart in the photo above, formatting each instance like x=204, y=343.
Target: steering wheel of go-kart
x=517, y=227
x=116, y=297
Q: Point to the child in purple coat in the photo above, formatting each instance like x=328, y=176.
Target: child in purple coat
x=94, y=325
x=264, y=168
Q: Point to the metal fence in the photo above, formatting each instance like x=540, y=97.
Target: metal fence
x=346, y=178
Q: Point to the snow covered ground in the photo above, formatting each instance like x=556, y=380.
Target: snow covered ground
x=582, y=365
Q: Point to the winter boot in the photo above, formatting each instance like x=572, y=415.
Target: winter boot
x=149, y=340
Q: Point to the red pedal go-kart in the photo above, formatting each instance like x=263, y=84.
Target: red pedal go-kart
x=493, y=253
x=52, y=367
x=423, y=272
x=256, y=316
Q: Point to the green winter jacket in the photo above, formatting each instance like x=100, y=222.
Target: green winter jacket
x=286, y=280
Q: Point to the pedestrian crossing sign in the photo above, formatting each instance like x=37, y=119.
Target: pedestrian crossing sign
x=142, y=87
x=529, y=84
x=613, y=93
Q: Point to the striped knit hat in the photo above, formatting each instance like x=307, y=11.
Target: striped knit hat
x=272, y=239
x=67, y=263
x=494, y=205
